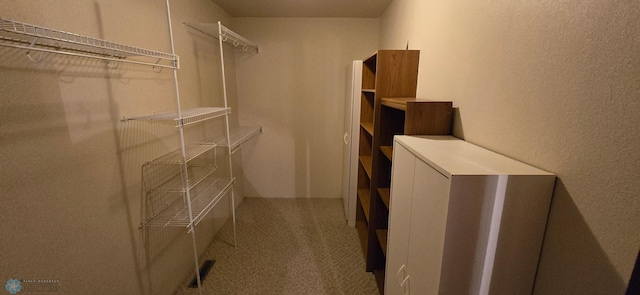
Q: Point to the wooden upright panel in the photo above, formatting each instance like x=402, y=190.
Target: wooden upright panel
x=397, y=73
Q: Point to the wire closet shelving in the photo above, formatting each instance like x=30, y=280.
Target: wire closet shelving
x=165, y=201
x=179, y=188
x=30, y=37
x=226, y=35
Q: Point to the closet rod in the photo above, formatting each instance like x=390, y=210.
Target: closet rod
x=117, y=60
x=219, y=31
x=236, y=39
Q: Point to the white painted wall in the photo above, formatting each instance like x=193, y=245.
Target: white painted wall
x=556, y=85
x=70, y=176
x=295, y=89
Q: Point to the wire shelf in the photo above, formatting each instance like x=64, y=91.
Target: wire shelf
x=175, y=157
x=32, y=37
x=238, y=135
x=176, y=213
x=175, y=184
x=228, y=36
x=189, y=116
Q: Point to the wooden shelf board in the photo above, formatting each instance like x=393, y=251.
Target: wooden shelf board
x=365, y=200
x=368, y=126
x=366, y=163
x=385, y=195
x=387, y=150
x=399, y=103
x=382, y=239
x=369, y=90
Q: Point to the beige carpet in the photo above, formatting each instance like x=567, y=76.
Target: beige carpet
x=288, y=246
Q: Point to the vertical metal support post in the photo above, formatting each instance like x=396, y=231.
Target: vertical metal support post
x=185, y=176
x=224, y=92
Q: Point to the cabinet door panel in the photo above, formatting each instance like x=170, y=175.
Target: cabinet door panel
x=428, y=225
x=351, y=139
x=399, y=219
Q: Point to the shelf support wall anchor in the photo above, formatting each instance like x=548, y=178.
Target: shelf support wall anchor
x=228, y=135
x=155, y=67
x=111, y=64
x=185, y=171
x=32, y=45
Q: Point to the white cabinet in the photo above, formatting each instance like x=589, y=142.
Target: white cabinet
x=402, y=183
x=463, y=220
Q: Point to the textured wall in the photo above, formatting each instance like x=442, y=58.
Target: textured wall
x=295, y=89
x=70, y=174
x=556, y=85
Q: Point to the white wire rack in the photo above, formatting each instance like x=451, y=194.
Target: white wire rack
x=32, y=37
x=238, y=136
x=165, y=188
x=169, y=208
x=191, y=152
x=219, y=31
x=189, y=116
x=175, y=184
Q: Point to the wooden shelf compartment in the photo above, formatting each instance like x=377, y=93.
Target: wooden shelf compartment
x=365, y=143
x=364, y=196
x=383, y=171
x=367, y=126
x=385, y=195
x=361, y=227
x=387, y=150
x=369, y=67
x=367, y=107
x=366, y=164
x=392, y=122
x=382, y=238
x=362, y=224
x=423, y=116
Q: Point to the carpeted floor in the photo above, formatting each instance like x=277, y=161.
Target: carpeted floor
x=288, y=246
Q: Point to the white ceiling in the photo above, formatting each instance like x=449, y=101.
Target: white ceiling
x=304, y=8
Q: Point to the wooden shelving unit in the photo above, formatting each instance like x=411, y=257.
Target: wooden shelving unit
x=385, y=195
x=388, y=108
x=382, y=237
